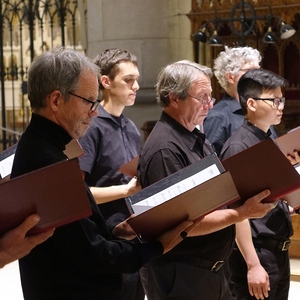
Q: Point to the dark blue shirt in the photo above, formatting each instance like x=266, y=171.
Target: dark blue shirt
x=109, y=143
x=221, y=121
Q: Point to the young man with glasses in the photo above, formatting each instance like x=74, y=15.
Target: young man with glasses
x=262, y=102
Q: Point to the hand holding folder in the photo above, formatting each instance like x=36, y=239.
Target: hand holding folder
x=156, y=211
x=241, y=176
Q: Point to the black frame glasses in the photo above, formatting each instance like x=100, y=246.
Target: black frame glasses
x=204, y=101
x=94, y=105
x=276, y=101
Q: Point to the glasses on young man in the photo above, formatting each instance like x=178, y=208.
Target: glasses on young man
x=94, y=104
x=204, y=101
x=277, y=102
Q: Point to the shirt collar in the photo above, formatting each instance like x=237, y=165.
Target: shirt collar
x=103, y=114
x=190, y=138
x=260, y=134
x=233, y=104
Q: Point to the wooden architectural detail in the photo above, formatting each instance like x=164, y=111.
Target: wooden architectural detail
x=282, y=57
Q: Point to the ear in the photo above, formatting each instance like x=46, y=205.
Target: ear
x=251, y=104
x=229, y=77
x=105, y=81
x=55, y=99
x=173, y=100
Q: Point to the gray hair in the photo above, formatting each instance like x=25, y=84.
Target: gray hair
x=231, y=60
x=57, y=69
x=176, y=78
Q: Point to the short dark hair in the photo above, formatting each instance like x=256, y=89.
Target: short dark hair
x=254, y=82
x=109, y=61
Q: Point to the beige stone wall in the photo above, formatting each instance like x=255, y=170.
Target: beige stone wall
x=156, y=31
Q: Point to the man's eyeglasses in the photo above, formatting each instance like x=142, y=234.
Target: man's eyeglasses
x=277, y=102
x=95, y=104
x=204, y=101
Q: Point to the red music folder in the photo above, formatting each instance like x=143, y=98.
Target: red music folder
x=262, y=166
x=130, y=168
x=178, y=197
x=56, y=192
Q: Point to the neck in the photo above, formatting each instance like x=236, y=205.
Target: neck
x=112, y=108
x=232, y=92
x=258, y=124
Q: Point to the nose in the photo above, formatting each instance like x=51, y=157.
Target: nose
x=208, y=105
x=136, y=85
x=93, y=113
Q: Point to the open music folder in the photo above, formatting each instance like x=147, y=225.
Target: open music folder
x=130, y=168
x=289, y=142
x=293, y=199
x=187, y=194
x=166, y=203
x=262, y=166
x=56, y=192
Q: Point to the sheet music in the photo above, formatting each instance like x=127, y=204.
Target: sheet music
x=176, y=189
x=6, y=165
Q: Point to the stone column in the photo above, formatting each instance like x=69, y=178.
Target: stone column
x=156, y=31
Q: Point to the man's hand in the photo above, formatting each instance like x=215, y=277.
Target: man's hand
x=124, y=231
x=258, y=282
x=295, y=158
x=254, y=207
x=15, y=244
x=133, y=186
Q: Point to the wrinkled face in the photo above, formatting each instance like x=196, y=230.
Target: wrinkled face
x=195, y=108
x=75, y=114
x=266, y=111
x=122, y=89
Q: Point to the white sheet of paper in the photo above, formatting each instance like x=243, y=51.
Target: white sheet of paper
x=6, y=166
x=176, y=189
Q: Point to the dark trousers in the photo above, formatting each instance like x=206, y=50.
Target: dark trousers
x=132, y=287
x=183, y=281
x=277, y=265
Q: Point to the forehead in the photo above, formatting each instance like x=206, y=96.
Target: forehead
x=201, y=84
x=274, y=92
x=127, y=68
x=88, y=80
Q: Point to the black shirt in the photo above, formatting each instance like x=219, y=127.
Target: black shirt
x=171, y=147
x=80, y=260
